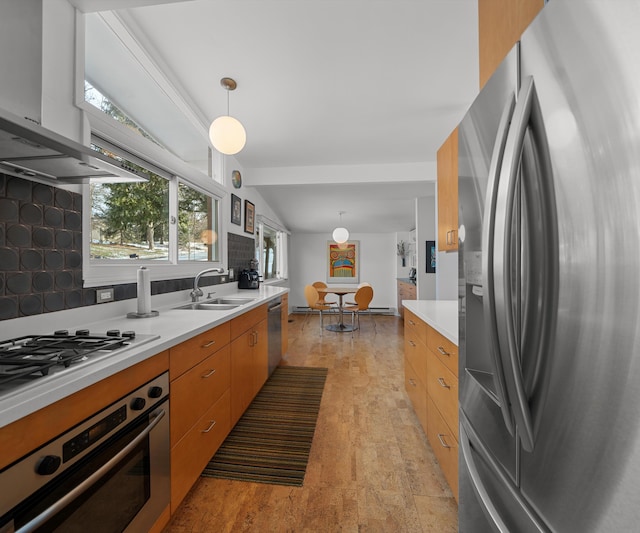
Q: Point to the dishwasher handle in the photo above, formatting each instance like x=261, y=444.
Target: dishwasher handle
x=275, y=307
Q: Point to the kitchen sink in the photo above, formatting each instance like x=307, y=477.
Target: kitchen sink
x=231, y=300
x=217, y=304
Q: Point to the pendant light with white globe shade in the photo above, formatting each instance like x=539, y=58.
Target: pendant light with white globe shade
x=340, y=234
x=226, y=133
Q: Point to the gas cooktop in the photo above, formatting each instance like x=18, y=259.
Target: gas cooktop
x=33, y=357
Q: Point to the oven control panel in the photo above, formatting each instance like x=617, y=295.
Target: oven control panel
x=84, y=440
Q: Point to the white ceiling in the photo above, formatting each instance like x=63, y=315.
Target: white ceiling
x=345, y=102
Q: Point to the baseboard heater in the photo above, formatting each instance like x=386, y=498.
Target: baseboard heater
x=374, y=310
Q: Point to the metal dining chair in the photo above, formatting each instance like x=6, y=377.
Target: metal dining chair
x=363, y=297
x=314, y=304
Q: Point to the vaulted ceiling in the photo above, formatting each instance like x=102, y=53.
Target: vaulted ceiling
x=345, y=102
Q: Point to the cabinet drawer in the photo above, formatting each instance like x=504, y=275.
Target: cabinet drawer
x=197, y=389
x=416, y=353
x=415, y=327
x=444, y=349
x=189, y=353
x=246, y=321
x=417, y=393
x=442, y=388
x=444, y=445
x=192, y=453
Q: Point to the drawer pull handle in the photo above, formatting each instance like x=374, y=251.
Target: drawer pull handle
x=442, y=441
x=412, y=343
x=443, y=383
x=412, y=382
x=209, y=374
x=443, y=351
x=210, y=343
x=412, y=322
x=213, y=423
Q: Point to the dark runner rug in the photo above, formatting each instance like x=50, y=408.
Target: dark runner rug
x=272, y=440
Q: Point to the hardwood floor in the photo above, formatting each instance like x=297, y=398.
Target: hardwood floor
x=371, y=468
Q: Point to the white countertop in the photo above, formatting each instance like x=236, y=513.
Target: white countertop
x=172, y=325
x=442, y=315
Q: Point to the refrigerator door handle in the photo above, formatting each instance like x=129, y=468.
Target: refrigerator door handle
x=508, y=332
x=488, y=236
x=476, y=479
x=469, y=437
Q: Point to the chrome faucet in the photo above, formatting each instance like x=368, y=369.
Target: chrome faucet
x=197, y=292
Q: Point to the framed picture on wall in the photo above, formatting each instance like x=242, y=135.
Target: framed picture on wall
x=249, y=216
x=236, y=210
x=343, y=262
x=431, y=257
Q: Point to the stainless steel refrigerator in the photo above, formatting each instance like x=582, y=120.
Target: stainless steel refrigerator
x=549, y=263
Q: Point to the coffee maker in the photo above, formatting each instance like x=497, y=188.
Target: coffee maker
x=249, y=278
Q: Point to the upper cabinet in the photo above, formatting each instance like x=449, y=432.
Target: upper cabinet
x=448, y=194
x=500, y=25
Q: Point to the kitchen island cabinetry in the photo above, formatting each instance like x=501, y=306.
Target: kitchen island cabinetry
x=249, y=359
x=442, y=404
x=200, y=373
x=415, y=364
x=406, y=291
x=431, y=379
x=447, y=163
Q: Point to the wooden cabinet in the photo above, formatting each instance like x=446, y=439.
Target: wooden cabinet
x=194, y=450
x=447, y=161
x=442, y=404
x=444, y=445
x=200, y=372
x=415, y=364
x=249, y=359
x=285, y=324
x=431, y=381
x=406, y=291
x=500, y=25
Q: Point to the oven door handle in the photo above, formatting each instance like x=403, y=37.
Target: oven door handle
x=91, y=480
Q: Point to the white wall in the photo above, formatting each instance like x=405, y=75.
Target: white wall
x=308, y=263
x=447, y=276
x=425, y=231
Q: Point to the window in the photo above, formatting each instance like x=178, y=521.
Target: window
x=170, y=222
x=166, y=222
x=197, y=227
x=130, y=220
x=271, y=250
x=123, y=82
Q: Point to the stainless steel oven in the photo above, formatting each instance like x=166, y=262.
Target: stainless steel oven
x=108, y=474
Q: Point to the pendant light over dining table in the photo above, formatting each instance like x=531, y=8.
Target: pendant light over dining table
x=226, y=133
x=340, y=234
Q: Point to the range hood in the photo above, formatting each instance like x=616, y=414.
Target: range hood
x=28, y=150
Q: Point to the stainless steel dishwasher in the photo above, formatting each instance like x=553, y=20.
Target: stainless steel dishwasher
x=275, y=333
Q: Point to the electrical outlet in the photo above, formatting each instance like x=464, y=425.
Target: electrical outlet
x=104, y=296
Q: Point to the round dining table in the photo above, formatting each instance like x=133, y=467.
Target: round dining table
x=340, y=291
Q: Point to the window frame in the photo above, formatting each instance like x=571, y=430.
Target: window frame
x=281, y=248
